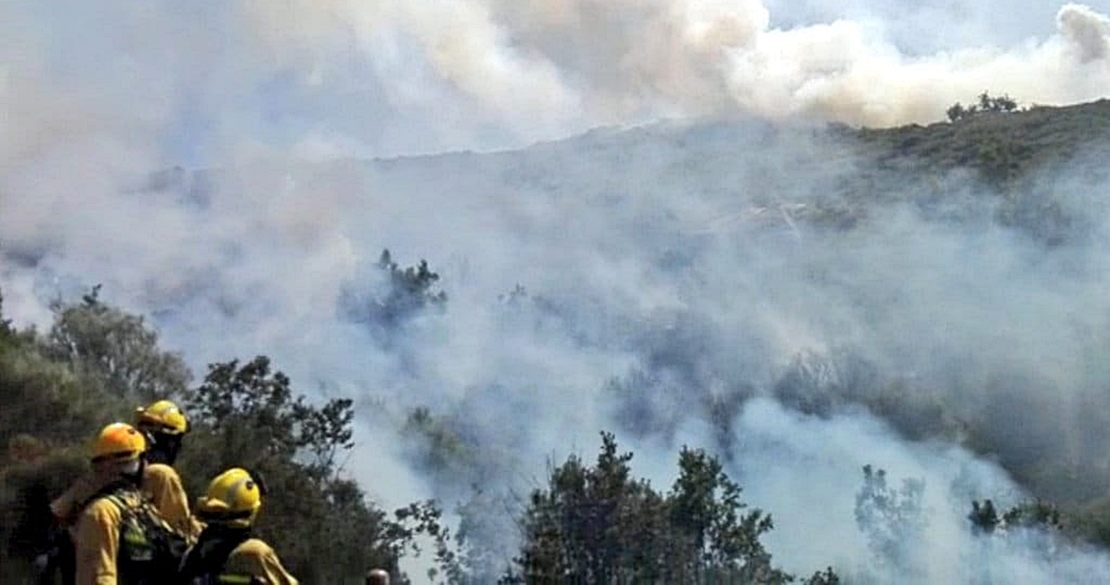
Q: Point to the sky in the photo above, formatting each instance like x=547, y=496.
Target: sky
x=643, y=269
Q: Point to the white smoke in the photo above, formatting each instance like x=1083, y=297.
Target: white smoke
x=541, y=66
x=792, y=461
x=237, y=80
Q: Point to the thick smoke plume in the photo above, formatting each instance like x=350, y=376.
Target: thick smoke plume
x=540, y=64
x=670, y=287
x=209, y=83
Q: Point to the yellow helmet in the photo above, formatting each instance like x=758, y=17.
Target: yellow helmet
x=162, y=417
x=233, y=498
x=118, y=442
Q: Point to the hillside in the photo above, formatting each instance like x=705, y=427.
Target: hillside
x=1017, y=156
x=802, y=302
x=1037, y=138
x=1012, y=155
x=1008, y=151
x=1037, y=173
x=1028, y=170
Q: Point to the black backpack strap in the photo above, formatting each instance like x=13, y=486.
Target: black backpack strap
x=111, y=491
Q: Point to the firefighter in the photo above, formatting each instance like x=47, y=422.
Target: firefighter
x=227, y=551
x=165, y=425
x=117, y=458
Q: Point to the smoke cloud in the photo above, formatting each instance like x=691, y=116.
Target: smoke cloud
x=539, y=67
x=206, y=83
x=670, y=291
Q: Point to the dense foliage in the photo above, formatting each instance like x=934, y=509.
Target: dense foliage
x=98, y=363
x=597, y=524
x=987, y=104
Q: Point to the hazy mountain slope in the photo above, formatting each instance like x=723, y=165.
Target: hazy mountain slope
x=802, y=301
x=1009, y=198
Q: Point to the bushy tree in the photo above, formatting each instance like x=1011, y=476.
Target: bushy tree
x=986, y=104
x=440, y=448
x=44, y=398
x=1037, y=514
x=252, y=410
x=706, y=509
x=247, y=415
x=115, y=348
x=892, y=519
x=6, y=329
x=408, y=291
x=597, y=524
x=425, y=519
x=826, y=577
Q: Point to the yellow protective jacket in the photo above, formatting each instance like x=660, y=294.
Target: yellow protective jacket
x=254, y=562
x=96, y=540
x=162, y=487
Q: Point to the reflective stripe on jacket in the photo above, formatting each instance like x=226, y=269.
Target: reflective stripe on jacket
x=238, y=580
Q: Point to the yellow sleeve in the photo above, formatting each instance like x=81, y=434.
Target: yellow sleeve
x=257, y=559
x=273, y=571
x=97, y=544
x=162, y=486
